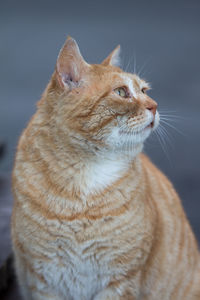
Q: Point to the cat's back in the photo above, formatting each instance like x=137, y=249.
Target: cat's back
x=175, y=247
x=158, y=185
x=172, y=222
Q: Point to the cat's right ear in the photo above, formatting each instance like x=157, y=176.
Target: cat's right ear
x=70, y=66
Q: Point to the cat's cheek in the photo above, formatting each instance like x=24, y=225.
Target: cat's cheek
x=113, y=137
x=141, y=137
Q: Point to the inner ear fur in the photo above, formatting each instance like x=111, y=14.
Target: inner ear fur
x=70, y=65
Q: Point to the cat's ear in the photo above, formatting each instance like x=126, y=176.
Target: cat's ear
x=70, y=66
x=113, y=58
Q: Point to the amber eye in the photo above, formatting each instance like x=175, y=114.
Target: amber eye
x=121, y=92
x=143, y=90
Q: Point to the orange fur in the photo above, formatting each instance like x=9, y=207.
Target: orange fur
x=93, y=218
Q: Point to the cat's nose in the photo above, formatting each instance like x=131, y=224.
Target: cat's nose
x=151, y=105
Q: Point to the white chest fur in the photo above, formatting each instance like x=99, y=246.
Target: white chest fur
x=103, y=172
x=75, y=275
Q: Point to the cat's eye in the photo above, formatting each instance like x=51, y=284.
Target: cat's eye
x=121, y=92
x=144, y=90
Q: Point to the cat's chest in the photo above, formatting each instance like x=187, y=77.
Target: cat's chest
x=88, y=254
x=79, y=268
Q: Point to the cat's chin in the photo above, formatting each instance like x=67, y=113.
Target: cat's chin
x=125, y=138
x=131, y=141
x=128, y=144
x=141, y=134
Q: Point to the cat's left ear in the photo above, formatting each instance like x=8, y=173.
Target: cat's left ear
x=113, y=58
x=70, y=66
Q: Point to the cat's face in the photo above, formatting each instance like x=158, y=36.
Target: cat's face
x=124, y=112
x=100, y=105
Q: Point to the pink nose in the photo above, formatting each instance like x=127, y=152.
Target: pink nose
x=151, y=105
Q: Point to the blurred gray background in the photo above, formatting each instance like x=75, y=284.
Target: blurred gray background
x=161, y=39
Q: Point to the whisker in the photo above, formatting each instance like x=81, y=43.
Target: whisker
x=160, y=139
x=166, y=134
x=168, y=111
x=143, y=66
x=134, y=66
x=163, y=135
x=172, y=116
x=131, y=61
x=128, y=64
x=173, y=127
x=173, y=119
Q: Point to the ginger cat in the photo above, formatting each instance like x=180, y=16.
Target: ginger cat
x=93, y=218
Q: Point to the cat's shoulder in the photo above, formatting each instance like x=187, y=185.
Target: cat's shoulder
x=150, y=168
x=146, y=162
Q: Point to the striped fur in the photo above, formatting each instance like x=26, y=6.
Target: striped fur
x=93, y=218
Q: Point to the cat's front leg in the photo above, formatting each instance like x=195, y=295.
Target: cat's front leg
x=107, y=294
x=33, y=293
x=111, y=294
x=32, y=284
x=30, y=292
x=39, y=295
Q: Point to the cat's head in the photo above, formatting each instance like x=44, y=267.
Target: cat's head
x=100, y=106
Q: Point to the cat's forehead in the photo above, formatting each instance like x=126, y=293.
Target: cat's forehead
x=116, y=77
x=132, y=81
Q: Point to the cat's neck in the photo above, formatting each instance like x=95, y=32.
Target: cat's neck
x=101, y=172
x=82, y=172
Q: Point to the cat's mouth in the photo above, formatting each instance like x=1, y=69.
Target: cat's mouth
x=136, y=131
x=151, y=125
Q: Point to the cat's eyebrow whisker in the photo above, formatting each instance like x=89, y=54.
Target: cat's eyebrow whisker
x=131, y=61
x=134, y=65
x=143, y=66
x=128, y=64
